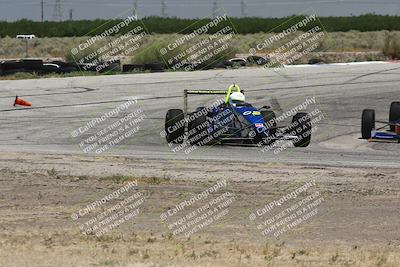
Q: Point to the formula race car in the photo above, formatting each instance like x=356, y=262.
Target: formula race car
x=370, y=132
x=233, y=121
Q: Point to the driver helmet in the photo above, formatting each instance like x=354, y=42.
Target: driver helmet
x=237, y=98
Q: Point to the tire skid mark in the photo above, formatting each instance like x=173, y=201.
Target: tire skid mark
x=373, y=73
x=84, y=90
x=319, y=85
x=86, y=104
x=177, y=96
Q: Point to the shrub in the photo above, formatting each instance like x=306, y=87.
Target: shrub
x=392, y=45
x=368, y=22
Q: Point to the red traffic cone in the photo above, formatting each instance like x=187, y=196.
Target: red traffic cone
x=21, y=102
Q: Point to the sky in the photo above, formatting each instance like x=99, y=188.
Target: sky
x=11, y=10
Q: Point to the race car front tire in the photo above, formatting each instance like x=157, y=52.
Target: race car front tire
x=367, y=123
x=197, y=130
x=174, y=126
x=394, y=114
x=269, y=118
x=303, y=129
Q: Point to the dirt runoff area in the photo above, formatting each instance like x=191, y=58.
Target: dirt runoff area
x=66, y=210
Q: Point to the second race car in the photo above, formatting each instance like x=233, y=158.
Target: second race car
x=369, y=130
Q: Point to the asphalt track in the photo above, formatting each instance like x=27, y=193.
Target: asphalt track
x=342, y=91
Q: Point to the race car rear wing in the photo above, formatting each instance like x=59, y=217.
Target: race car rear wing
x=208, y=92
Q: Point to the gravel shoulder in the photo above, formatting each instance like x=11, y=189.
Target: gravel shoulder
x=356, y=224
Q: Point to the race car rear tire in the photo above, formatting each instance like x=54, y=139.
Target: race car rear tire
x=174, y=128
x=269, y=118
x=197, y=130
x=394, y=114
x=303, y=129
x=367, y=123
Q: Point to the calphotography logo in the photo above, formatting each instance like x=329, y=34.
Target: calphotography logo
x=292, y=128
x=103, y=51
x=188, y=133
x=111, y=31
x=300, y=36
x=200, y=211
x=202, y=130
x=203, y=46
x=110, y=212
x=110, y=129
x=284, y=214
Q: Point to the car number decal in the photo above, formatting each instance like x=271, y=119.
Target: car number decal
x=254, y=113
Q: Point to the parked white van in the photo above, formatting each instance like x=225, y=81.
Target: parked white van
x=26, y=37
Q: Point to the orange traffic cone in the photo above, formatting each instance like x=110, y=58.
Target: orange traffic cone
x=21, y=102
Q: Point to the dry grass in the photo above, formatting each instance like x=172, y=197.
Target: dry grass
x=392, y=45
x=147, y=249
x=356, y=227
x=26, y=75
x=120, y=179
x=335, y=42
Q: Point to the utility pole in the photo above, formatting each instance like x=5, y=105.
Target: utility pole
x=42, y=8
x=215, y=9
x=243, y=8
x=57, y=14
x=163, y=8
x=135, y=5
x=71, y=11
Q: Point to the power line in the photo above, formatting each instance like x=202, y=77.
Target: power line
x=135, y=7
x=215, y=9
x=57, y=14
x=163, y=9
x=179, y=3
x=71, y=11
x=204, y=4
x=42, y=9
x=243, y=8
